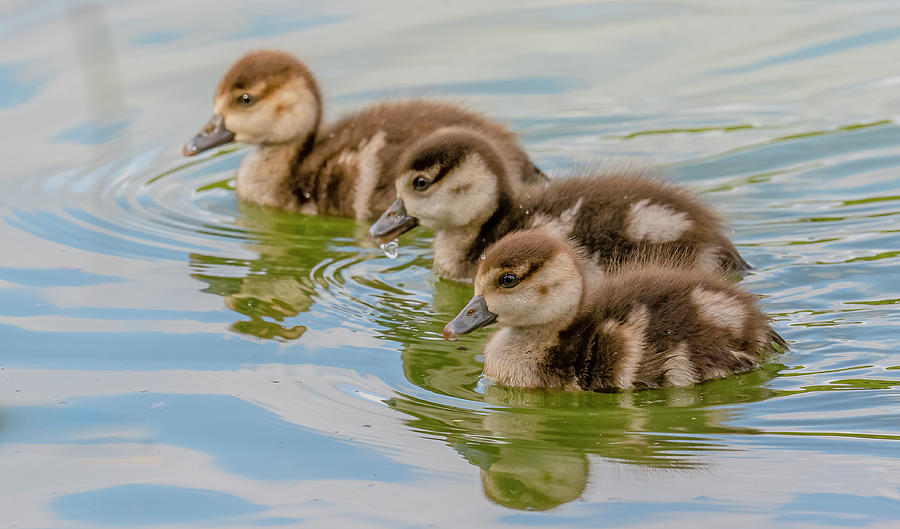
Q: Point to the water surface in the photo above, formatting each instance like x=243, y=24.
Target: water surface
x=173, y=358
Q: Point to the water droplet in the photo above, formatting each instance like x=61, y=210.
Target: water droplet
x=527, y=212
x=391, y=249
x=306, y=195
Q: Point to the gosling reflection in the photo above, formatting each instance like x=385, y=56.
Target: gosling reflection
x=278, y=284
x=527, y=472
x=536, y=480
x=278, y=298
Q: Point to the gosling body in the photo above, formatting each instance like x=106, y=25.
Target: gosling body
x=271, y=100
x=470, y=202
x=643, y=326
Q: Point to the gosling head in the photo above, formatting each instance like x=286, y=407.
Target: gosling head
x=526, y=279
x=266, y=98
x=450, y=179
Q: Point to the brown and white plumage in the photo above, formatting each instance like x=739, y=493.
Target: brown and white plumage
x=271, y=100
x=467, y=197
x=641, y=326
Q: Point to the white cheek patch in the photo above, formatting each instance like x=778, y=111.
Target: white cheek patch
x=720, y=309
x=429, y=207
x=478, y=200
x=678, y=367
x=560, y=226
x=527, y=306
x=298, y=111
x=655, y=222
x=367, y=164
x=251, y=127
x=286, y=115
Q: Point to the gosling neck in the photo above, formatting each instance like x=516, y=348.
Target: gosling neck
x=503, y=220
x=449, y=245
x=264, y=176
x=458, y=250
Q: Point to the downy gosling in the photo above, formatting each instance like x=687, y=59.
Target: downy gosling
x=271, y=100
x=456, y=183
x=642, y=326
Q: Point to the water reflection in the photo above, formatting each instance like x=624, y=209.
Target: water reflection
x=277, y=284
x=295, y=261
x=534, y=452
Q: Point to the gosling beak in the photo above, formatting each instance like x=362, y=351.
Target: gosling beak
x=393, y=223
x=211, y=135
x=473, y=316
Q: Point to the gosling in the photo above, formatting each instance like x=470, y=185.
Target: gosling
x=456, y=182
x=644, y=326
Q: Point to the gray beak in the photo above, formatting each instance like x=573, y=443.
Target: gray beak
x=211, y=135
x=393, y=223
x=473, y=316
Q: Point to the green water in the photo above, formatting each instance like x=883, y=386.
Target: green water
x=170, y=357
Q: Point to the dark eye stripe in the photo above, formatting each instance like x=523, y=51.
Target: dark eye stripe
x=532, y=268
x=443, y=172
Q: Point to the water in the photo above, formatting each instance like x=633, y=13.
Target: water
x=171, y=358
x=391, y=249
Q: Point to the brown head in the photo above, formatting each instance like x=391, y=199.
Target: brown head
x=526, y=279
x=267, y=97
x=451, y=179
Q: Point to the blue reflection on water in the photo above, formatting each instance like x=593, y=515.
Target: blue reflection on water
x=278, y=24
x=17, y=86
x=823, y=509
x=848, y=510
x=27, y=302
x=56, y=277
x=141, y=504
x=517, y=86
x=784, y=153
x=157, y=350
x=621, y=514
x=53, y=227
x=94, y=132
x=243, y=438
x=158, y=37
x=869, y=38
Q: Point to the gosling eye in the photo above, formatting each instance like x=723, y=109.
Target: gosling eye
x=246, y=100
x=508, y=280
x=420, y=183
